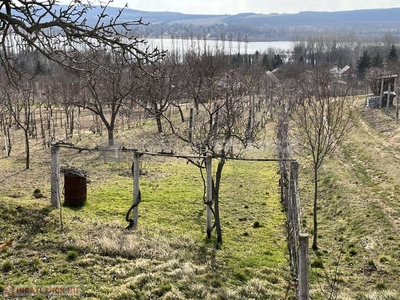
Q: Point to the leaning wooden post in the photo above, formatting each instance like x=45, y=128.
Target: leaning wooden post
x=303, y=267
x=388, y=98
x=79, y=124
x=208, y=195
x=381, y=95
x=55, y=176
x=3, y=121
x=250, y=120
x=293, y=212
x=136, y=199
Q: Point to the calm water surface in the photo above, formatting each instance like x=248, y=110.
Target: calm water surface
x=183, y=45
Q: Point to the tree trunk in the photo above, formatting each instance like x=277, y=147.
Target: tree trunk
x=110, y=130
x=159, y=124
x=196, y=106
x=314, y=245
x=110, y=138
x=181, y=114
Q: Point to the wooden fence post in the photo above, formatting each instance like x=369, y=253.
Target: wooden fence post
x=55, y=176
x=303, y=267
x=79, y=124
x=388, y=99
x=293, y=212
x=191, y=124
x=5, y=144
x=397, y=107
x=208, y=162
x=3, y=122
x=381, y=95
x=216, y=122
x=136, y=169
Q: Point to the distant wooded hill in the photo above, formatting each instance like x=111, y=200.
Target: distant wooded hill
x=364, y=23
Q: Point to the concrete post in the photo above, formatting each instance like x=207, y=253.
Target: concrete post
x=303, y=267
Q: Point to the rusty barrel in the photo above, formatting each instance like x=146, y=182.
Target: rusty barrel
x=75, y=189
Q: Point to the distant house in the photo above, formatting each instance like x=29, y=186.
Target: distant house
x=345, y=72
x=348, y=72
x=231, y=79
x=335, y=71
x=277, y=73
x=271, y=76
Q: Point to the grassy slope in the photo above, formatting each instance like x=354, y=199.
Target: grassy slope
x=168, y=256
x=359, y=212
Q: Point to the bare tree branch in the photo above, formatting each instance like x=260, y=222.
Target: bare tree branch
x=59, y=32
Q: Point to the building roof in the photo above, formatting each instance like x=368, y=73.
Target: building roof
x=347, y=70
x=272, y=76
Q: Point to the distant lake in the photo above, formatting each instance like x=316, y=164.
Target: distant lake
x=183, y=45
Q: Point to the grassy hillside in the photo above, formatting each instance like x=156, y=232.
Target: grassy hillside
x=168, y=257
x=359, y=212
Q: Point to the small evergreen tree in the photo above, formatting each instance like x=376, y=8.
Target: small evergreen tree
x=38, y=69
x=256, y=56
x=277, y=61
x=266, y=63
x=392, y=56
x=363, y=63
x=377, y=61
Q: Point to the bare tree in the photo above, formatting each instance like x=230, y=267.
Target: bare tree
x=159, y=89
x=20, y=100
x=59, y=32
x=109, y=79
x=201, y=72
x=320, y=124
x=67, y=36
x=226, y=121
x=63, y=89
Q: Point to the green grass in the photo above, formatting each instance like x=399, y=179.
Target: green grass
x=168, y=255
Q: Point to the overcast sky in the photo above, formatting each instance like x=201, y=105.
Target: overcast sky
x=256, y=6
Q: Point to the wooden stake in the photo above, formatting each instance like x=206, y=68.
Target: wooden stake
x=79, y=124
x=190, y=124
x=293, y=213
x=55, y=176
x=397, y=107
x=209, y=195
x=3, y=119
x=136, y=174
x=388, y=99
x=380, y=99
